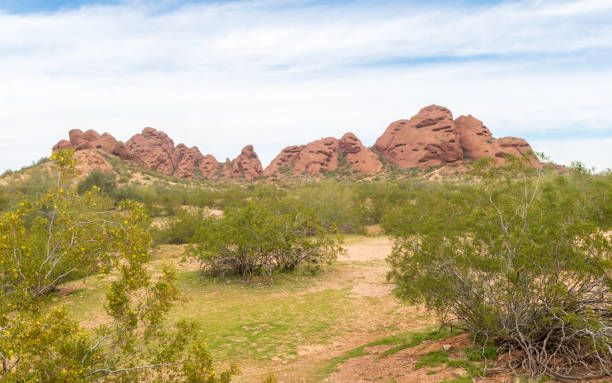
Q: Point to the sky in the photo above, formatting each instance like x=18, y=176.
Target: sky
x=272, y=73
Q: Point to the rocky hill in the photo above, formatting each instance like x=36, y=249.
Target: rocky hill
x=324, y=155
x=430, y=138
x=153, y=149
x=433, y=138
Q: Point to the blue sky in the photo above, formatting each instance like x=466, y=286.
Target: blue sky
x=223, y=74
x=32, y=6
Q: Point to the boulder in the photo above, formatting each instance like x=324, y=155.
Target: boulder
x=323, y=155
x=358, y=156
x=246, y=165
x=317, y=157
x=285, y=161
x=155, y=149
x=90, y=139
x=208, y=166
x=478, y=142
x=429, y=138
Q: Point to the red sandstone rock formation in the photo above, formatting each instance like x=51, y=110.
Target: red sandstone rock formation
x=358, y=156
x=318, y=157
x=478, y=142
x=208, y=166
x=154, y=148
x=246, y=165
x=284, y=161
x=323, y=155
x=80, y=140
x=433, y=138
x=88, y=160
x=428, y=139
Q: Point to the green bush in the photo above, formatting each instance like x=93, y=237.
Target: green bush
x=517, y=260
x=104, y=182
x=180, y=229
x=254, y=240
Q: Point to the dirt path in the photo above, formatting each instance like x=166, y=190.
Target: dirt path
x=375, y=314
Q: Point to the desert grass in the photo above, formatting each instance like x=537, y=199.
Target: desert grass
x=294, y=327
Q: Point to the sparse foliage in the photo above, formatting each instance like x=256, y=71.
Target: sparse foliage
x=63, y=235
x=254, y=240
x=523, y=266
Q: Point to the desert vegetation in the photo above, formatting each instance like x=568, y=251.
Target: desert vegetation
x=118, y=277
x=62, y=236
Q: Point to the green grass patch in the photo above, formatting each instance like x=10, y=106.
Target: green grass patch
x=471, y=368
x=237, y=320
x=459, y=379
x=416, y=339
x=243, y=321
x=401, y=341
x=432, y=359
x=440, y=357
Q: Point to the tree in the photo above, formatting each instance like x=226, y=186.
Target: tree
x=254, y=240
x=523, y=267
x=61, y=236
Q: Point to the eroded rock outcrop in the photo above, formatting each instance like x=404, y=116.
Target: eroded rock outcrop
x=155, y=149
x=318, y=157
x=90, y=139
x=428, y=139
x=433, y=138
x=88, y=160
x=246, y=165
x=358, y=156
x=283, y=163
x=477, y=142
x=151, y=148
x=324, y=155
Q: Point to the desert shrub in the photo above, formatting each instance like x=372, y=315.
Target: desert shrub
x=180, y=229
x=126, y=192
x=254, y=240
x=31, y=185
x=522, y=266
x=442, y=207
x=47, y=242
x=105, y=182
x=331, y=202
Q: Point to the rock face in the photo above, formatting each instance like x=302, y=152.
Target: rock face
x=88, y=160
x=155, y=149
x=151, y=148
x=90, y=139
x=284, y=162
x=318, y=157
x=246, y=165
x=324, y=155
x=477, y=142
x=428, y=139
x=358, y=156
x=432, y=137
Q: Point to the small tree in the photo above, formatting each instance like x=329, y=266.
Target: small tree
x=255, y=240
x=523, y=268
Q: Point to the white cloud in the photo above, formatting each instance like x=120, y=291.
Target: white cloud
x=592, y=152
x=222, y=76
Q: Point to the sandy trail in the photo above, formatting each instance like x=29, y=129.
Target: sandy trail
x=376, y=314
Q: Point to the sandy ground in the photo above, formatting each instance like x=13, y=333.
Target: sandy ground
x=362, y=269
